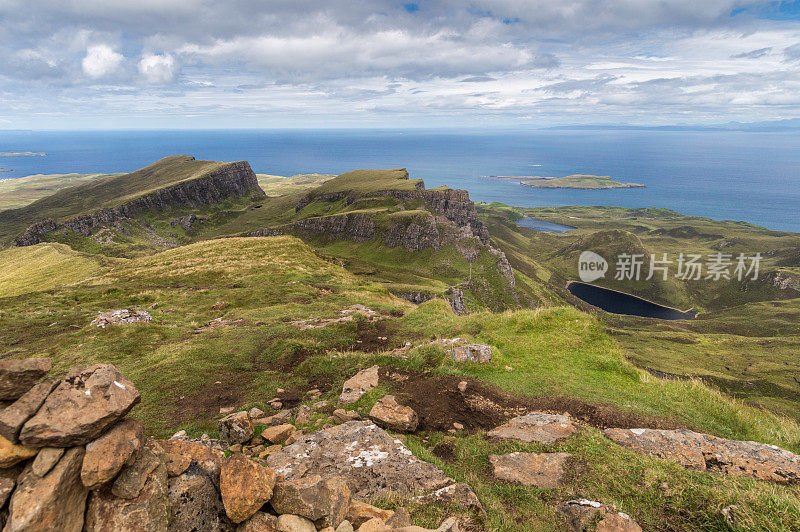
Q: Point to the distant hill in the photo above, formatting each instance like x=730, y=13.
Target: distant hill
x=171, y=182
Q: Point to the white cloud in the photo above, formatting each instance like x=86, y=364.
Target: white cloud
x=100, y=61
x=157, y=68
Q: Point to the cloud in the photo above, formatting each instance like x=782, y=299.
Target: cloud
x=478, y=79
x=157, y=68
x=792, y=53
x=753, y=54
x=100, y=61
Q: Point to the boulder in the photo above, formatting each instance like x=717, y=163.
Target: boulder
x=543, y=470
x=147, y=512
x=132, y=478
x=259, y=522
x=390, y=414
x=341, y=415
x=195, y=503
x=120, y=317
x=19, y=376
x=179, y=454
x=46, y=459
x=16, y=414
x=8, y=479
x=459, y=493
x=303, y=415
x=55, y=501
x=708, y=453
x=535, y=427
x=375, y=524
x=399, y=519
x=478, y=353
x=361, y=512
x=236, y=428
x=278, y=433
x=324, y=501
x=295, y=523
x=582, y=513
x=81, y=408
x=106, y=455
x=11, y=454
x=245, y=486
x=358, y=385
x=371, y=461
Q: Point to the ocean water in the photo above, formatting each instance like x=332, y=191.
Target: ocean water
x=747, y=176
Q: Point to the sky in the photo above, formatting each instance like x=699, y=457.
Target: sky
x=97, y=64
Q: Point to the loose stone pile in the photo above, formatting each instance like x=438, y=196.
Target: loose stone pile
x=70, y=460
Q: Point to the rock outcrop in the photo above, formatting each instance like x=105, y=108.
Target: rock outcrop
x=390, y=414
x=709, y=453
x=359, y=384
x=543, y=470
x=229, y=180
x=535, y=427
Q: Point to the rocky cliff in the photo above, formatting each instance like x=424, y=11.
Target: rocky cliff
x=230, y=180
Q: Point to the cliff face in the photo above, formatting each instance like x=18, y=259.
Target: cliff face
x=231, y=180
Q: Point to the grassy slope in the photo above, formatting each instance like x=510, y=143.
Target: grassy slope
x=54, y=265
x=104, y=193
x=276, y=185
x=186, y=372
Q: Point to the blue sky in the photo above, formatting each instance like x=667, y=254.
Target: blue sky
x=81, y=64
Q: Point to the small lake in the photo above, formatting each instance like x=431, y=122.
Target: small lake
x=542, y=225
x=622, y=303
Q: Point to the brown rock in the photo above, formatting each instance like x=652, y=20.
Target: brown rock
x=358, y=385
x=236, y=428
x=477, y=353
x=361, y=512
x=535, y=427
x=147, y=512
x=459, y=493
x=269, y=450
x=278, y=434
x=46, y=459
x=400, y=519
x=54, y=502
x=176, y=453
x=388, y=413
x=709, y=453
x=374, y=525
x=20, y=411
x=303, y=415
x=195, y=503
x=106, y=455
x=341, y=415
x=618, y=522
x=295, y=523
x=581, y=513
x=245, y=486
x=373, y=463
x=132, y=478
x=293, y=437
x=259, y=522
x=8, y=479
x=19, y=376
x=81, y=408
x=543, y=470
x=11, y=454
x=324, y=501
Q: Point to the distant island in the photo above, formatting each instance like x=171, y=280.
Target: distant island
x=593, y=182
x=6, y=170
x=22, y=154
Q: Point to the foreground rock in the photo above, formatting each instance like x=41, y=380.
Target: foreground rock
x=179, y=455
x=120, y=317
x=53, y=502
x=535, y=427
x=709, y=453
x=21, y=410
x=236, y=428
x=324, y=501
x=245, y=486
x=19, y=376
x=477, y=353
x=81, y=408
x=373, y=462
x=106, y=455
x=11, y=454
x=581, y=513
x=459, y=493
x=195, y=503
x=148, y=511
x=543, y=470
x=390, y=414
x=357, y=385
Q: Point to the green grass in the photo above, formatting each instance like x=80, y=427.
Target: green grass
x=21, y=191
x=276, y=185
x=591, y=182
x=368, y=181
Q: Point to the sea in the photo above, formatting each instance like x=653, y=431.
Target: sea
x=724, y=175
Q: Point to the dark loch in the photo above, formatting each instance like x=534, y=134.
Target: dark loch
x=622, y=303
